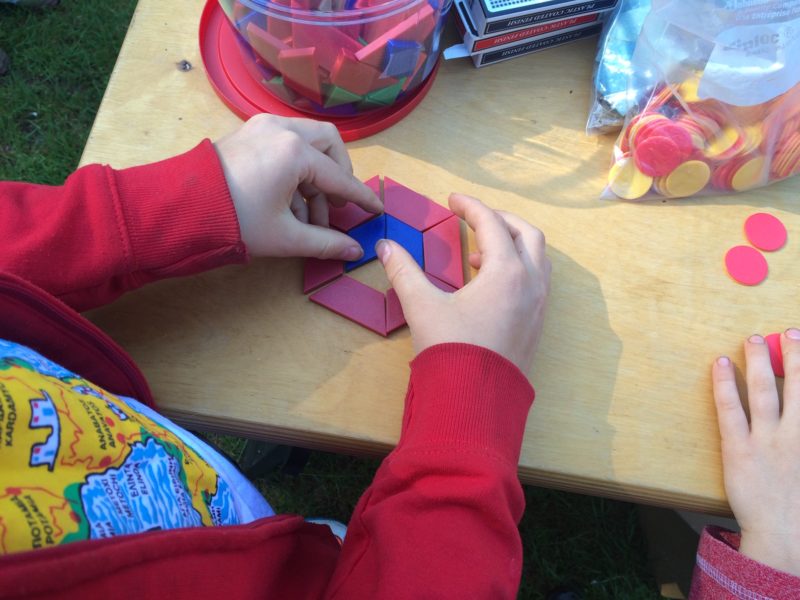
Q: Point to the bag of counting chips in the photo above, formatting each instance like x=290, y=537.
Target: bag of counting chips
x=722, y=108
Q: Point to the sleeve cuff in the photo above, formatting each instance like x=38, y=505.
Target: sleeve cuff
x=465, y=395
x=722, y=571
x=179, y=211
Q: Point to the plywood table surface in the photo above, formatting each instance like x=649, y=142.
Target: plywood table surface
x=640, y=304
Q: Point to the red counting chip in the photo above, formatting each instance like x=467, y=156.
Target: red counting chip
x=669, y=129
x=657, y=156
x=679, y=135
x=765, y=232
x=775, y=353
x=746, y=265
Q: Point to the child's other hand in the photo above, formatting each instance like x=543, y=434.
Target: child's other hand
x=282, y=173
x=761, y=462
x=502, y=308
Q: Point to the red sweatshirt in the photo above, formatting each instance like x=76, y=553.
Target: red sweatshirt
x=440, y=517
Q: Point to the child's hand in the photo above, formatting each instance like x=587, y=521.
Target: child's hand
x=761, y=462
x=281, y=174
x=502, y=308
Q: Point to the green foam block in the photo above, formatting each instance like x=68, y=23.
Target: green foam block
x=384, y=96
x=337, y=96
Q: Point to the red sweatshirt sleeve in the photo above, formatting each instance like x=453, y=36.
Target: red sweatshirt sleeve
x=440, y=518
x=722, y=572
x=108, y=231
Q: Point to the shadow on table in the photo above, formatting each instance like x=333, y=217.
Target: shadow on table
x=569, y=438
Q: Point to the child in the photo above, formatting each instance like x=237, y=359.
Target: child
x=86, y=459
x=762, y=476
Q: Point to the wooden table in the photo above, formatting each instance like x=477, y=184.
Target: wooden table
x=640, y=305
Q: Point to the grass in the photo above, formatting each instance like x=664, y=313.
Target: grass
x=61, y=61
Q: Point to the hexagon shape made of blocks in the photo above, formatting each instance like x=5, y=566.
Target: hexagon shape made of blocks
x=428, y=231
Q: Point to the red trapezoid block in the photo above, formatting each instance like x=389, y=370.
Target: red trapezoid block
x=317, y=273
x=442, y=247
x=300, y=69
x=416, y=26
x=350, y=74
x=410, y=207
x=395, y=318
x=344, y=218
x=327, y=40
x=266, y=45
x=355, y=301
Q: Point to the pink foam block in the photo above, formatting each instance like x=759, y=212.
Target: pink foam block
x=280, y=28
x=355, y=301
x=346, y=217
x=410, y=207
x=445, y=287
x=394, y=312
x=426, y=24
x=415, y=28
x=442, y=247
x=775, y=353
x=377, y=27
x=266, y=45
x=327, y=40
x=351, y=75
x=374, y=183
x=317, y=273
x=300, y=70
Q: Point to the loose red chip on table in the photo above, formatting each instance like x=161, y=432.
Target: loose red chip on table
x=657, y=156
x=746, y=265
x=765, y=232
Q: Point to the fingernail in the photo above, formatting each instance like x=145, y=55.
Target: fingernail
x=383, y=250
x=723, y=361
x=793, y=333
x=353, y=253
x=755, y=339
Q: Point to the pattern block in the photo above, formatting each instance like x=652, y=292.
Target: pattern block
x=299, y=67
x=410, y=207
x=408, y=237
x=319, y=272
x=355, y=301
x=367, y=235
x=266, y=45
x=443, y=258
x=437, y=235
x=400, y=58
x=344, y=218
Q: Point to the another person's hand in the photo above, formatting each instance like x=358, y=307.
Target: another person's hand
x=761, y=460
x=502, y=308
x=282, y=173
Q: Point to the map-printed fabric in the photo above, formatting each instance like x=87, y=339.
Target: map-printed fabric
x=77, y=462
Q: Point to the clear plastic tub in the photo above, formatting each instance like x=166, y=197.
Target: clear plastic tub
x=339, y=57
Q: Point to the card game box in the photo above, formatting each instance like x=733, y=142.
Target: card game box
x=491, y=57
x=475, y=43
x=487, y=50
x=495, y=16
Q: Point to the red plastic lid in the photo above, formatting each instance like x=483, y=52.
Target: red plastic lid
x=229, y=77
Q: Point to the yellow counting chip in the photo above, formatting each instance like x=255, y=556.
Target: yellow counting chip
x=722, y=142
x=688, y=89
x=628, y=182
x=749, y=175
x=688, y=179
